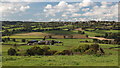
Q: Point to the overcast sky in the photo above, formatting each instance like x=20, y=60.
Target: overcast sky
x=59, y=11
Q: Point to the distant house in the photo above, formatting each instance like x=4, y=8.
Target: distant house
x=32, y=42
x=48, y=42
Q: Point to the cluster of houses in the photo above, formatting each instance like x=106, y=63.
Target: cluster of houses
x=43, y=42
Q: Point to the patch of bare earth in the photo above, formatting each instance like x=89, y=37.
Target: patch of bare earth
x=79, y=36
x=79, y=29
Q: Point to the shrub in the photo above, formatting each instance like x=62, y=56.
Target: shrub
x=8, y=39
x=12, y=52
x=59, y=53
x=64, y=52
x=95, y=49
x=94, y=46
x=23, y=40
x=34, y=51
x=101, y=51
x=45, y=48
x=90, y=51
x=14, y=40
x=67, y=52
x=50, y=52
x=83, y=48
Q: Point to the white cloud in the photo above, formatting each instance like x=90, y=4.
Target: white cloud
x=10, y=8
x=23, y=8
x=65, y=7
x=76, y=15
x=86, y=3
x=48, y=6
x=86, y=9
x=105, y=11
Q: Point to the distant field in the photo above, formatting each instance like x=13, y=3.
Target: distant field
x=54, y=34
x=60, y=32
x=100, y=32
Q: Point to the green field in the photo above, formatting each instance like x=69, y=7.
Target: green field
x=100, y=32
x=109, y=59
x=76, y=60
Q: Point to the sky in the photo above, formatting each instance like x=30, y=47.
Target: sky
x=84, y=10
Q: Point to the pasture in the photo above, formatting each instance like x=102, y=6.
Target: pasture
x=38, y=31
x=109, y=59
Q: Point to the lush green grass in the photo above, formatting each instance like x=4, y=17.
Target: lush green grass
x=76, y=60
x=109, y=59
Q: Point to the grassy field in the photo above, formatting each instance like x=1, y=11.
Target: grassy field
x=76, y=60
x=100, y=32
x=109, y=59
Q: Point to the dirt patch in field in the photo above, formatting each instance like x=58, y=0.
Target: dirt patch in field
x=79, y=36
x=101, y=38
x=79, y=29
x=33, y=33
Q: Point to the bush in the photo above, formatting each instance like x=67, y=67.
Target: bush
x=82, y=48
x=95, y=49
x=45, y=48
x=23, y=40
x=59, y=53
x=64, y=52
x=90, y=51
x=67, y=52
x=12, y=52
x=34, y=51
x=8, y=39
x=50, y=52
x=94, y=46
x=14, y=40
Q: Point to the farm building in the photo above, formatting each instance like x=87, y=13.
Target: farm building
x=32, y=42
x=44, y=42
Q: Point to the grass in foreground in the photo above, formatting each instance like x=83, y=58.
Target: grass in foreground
x=76, y=60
